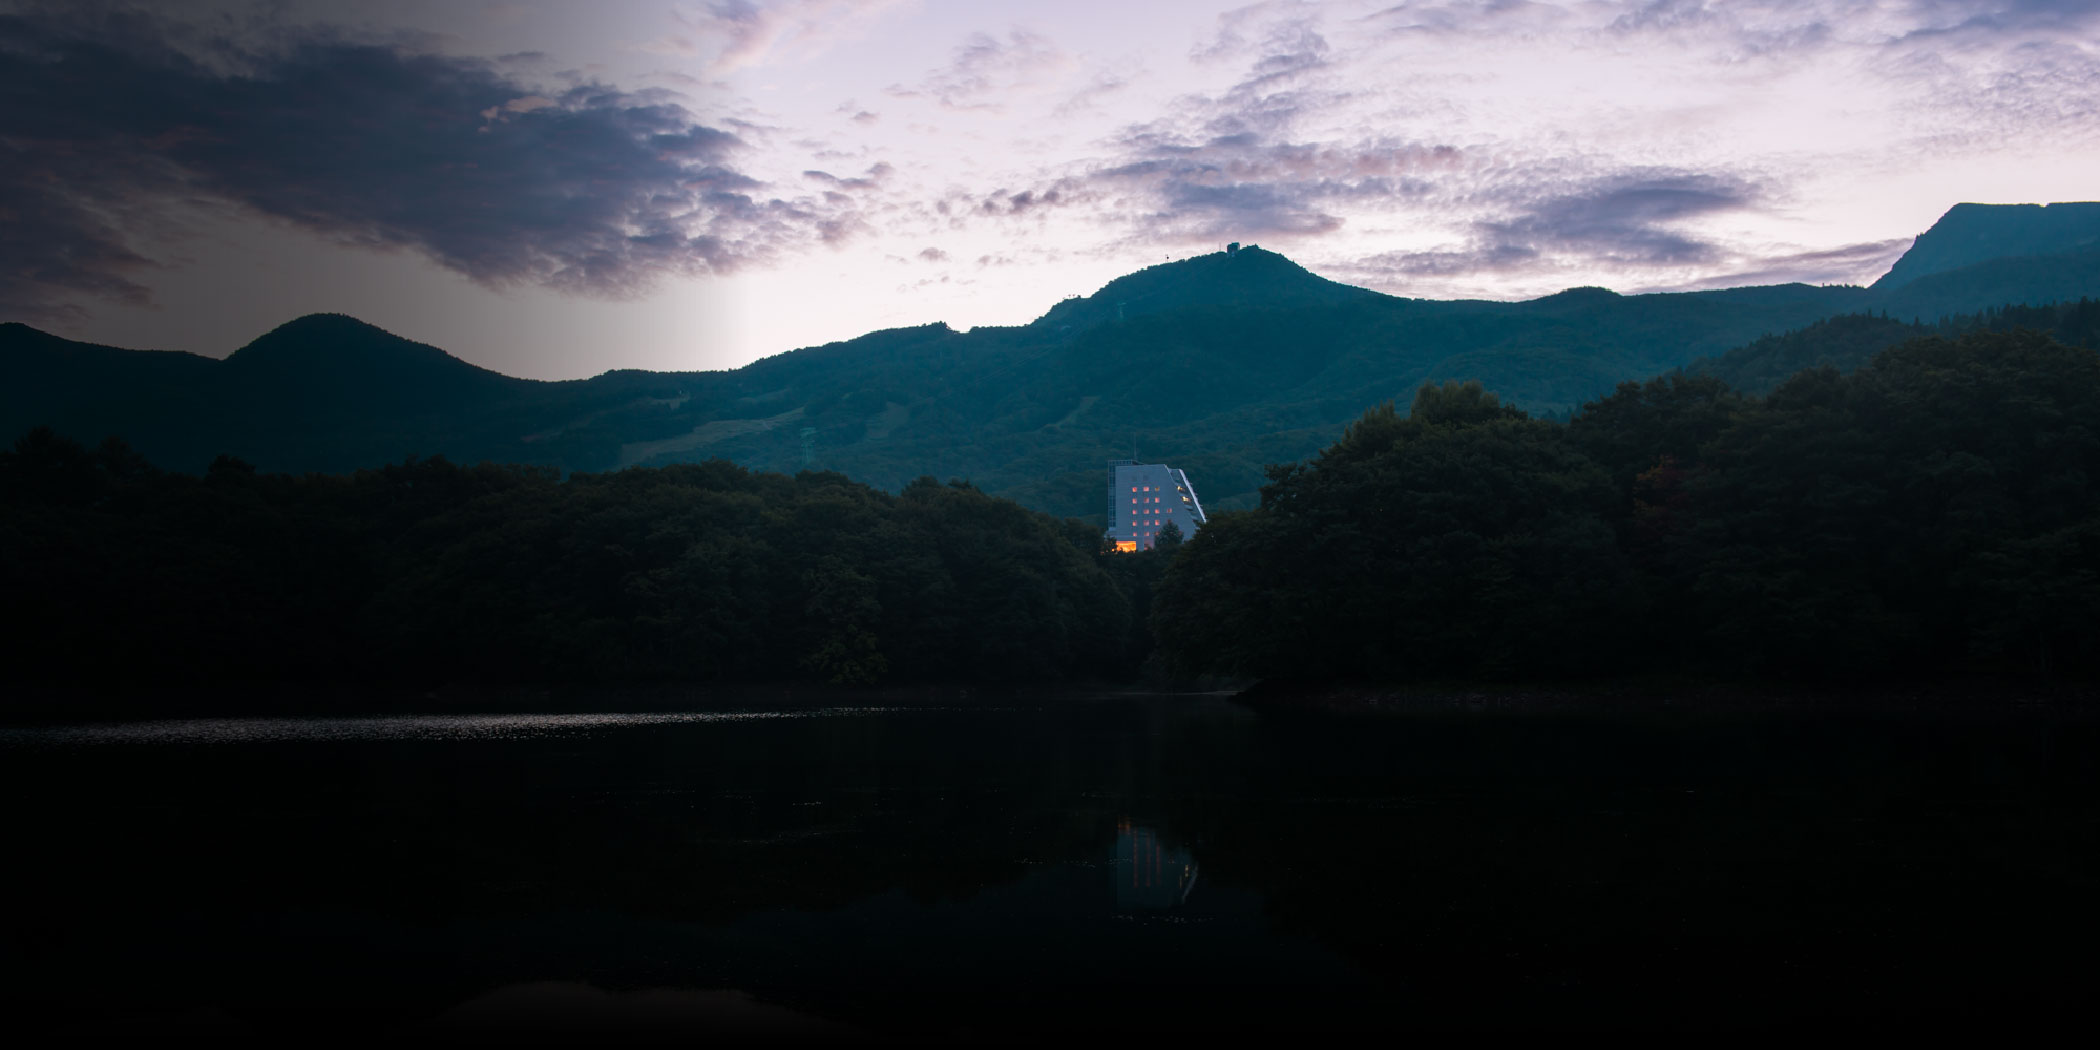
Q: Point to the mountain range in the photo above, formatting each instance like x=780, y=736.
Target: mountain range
x=1218, y=364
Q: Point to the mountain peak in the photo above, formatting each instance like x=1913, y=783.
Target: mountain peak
x=339, y=342
x=1971, y=233
x=320, y=333
x=1246, y=276
x=340, y=363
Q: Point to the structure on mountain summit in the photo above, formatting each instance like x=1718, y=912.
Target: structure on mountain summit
x=1143, y=498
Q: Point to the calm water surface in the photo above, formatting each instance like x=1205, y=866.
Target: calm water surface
x=1086, y=866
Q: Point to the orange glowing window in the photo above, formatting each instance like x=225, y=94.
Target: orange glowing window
x=1126, y=545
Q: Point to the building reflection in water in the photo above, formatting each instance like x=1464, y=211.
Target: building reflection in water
x=1150, y=874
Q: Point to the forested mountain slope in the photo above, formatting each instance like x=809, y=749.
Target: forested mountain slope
x=1219, y=364
x=1849, y=341
x=1974, y=233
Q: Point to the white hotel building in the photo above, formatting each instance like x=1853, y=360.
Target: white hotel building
x=1143, y=498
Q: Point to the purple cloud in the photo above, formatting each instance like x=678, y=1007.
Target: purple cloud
x=984, y=67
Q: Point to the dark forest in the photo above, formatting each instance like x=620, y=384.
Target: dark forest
x=1931, y=513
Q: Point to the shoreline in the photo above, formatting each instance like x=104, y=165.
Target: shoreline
x=1981, y=696
x=52, y=705
x=46, y=705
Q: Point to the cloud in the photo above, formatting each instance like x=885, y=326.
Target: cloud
x=1851, y=263
x=1229, y=164
x=1940, y=17
x=1542, y=222
x=1331, y=124
x=53, y=248
x=1625, y=217
x=876, y=174
x=984, y=68
x=1241, y=185
x=1089, y=97
x=745, y=33
x=1618, y=225
x=1469, y=17
x=1989, y=72
x=589, y=189
x=852, y=111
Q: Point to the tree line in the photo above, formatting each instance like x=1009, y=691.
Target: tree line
x=433, y=572
x=1851, y=340
x=1934, y=512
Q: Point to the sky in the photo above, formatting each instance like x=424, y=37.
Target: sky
x=553, y=190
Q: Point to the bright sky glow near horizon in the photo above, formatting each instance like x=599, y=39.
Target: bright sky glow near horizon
x=553, y=190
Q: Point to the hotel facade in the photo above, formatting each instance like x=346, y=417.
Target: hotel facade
x=1143, y=498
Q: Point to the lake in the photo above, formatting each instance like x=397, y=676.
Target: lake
x=1096, y=866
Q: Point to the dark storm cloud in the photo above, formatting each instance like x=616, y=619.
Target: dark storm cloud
x=106, y=126
x=51, y=247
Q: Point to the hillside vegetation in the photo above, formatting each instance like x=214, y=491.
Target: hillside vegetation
x=1936, y=512
x=1219, y=364
x=427, y=572
x=1850, y=341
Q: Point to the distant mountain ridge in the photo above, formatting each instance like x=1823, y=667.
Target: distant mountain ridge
x=1977, y=233
x=1219, y=364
